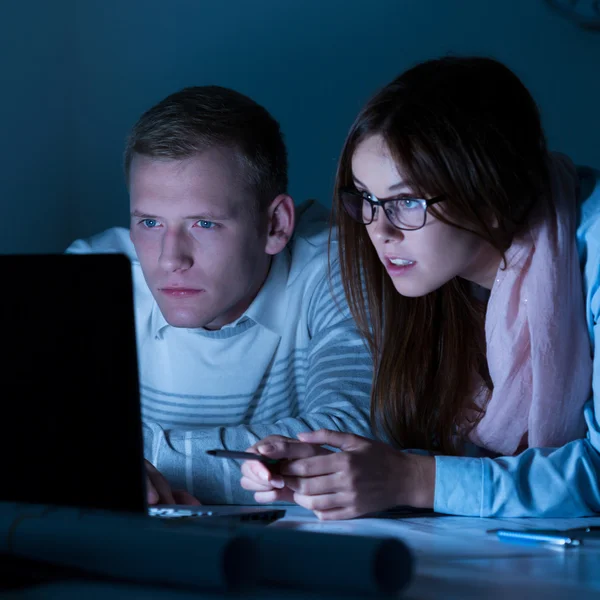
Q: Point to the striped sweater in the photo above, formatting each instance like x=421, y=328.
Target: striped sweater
x=292, y=362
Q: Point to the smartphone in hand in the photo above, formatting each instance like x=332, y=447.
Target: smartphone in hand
x=235, y=454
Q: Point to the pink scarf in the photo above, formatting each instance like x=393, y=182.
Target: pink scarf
x=538, y=348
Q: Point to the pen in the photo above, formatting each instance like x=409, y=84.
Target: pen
x=557, y=538
x=243, y=456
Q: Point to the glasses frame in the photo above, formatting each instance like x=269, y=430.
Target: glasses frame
x=374, y=202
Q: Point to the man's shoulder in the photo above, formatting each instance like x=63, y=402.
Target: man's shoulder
x=311, y=246
x=113, y=240
x=312, y=223
x=117, y=240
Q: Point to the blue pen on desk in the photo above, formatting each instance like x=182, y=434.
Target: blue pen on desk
x=556, y=538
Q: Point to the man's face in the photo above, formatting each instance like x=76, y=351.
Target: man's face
x=201, y=250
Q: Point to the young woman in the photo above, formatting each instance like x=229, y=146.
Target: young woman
x=471, y=258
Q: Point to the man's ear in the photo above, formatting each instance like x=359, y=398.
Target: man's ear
x=281, y=222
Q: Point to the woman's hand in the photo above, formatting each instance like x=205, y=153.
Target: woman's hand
x=367, y=476
x=266, y=483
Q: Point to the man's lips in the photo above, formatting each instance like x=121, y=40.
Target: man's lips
x=180, y=291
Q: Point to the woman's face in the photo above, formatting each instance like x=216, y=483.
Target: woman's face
x=423, y=260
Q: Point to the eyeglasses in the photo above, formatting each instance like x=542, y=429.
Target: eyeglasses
x=402, y=213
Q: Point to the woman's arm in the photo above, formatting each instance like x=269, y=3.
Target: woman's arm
x=540, y=482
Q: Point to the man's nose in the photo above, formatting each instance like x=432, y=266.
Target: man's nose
x=175, y=252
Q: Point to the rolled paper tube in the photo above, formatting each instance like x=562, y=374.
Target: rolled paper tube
x=131, y=548
x=335, y=563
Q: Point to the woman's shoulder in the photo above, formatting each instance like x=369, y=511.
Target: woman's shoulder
x=588, y=239
x=589, y=203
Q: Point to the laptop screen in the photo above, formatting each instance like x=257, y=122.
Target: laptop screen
x=71, y=431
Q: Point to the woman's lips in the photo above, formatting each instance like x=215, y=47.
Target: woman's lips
x=399, y=269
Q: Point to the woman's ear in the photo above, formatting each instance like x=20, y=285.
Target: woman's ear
x=281, y=222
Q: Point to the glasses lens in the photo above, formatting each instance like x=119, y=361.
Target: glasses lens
x=406, y=213
x=357, y=207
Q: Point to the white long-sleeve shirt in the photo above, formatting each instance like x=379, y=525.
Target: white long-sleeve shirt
x=294, y=361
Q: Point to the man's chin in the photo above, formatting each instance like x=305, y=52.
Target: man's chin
x=186, y=320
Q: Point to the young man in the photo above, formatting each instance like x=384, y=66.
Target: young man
x=242, y=330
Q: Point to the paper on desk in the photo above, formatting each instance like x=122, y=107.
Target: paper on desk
x=437, y=537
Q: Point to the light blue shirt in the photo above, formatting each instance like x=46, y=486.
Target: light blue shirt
x=541, y=482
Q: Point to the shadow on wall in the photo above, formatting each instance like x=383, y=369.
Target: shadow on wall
x=584, y=13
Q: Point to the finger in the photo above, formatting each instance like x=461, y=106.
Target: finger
x=336, y=439
x=283, y=495
x=184, y=497
x=254, y=470
x=314, y=486
x=253, y=486
x=322, y=502
x=312, y=467
x=290, y=449
x=160, y=484
x=270, y=439
x=152, y=494
x=336, y=514
x=164, y=490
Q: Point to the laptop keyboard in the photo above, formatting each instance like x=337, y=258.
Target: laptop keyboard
x=200, y=514
x=177, y=513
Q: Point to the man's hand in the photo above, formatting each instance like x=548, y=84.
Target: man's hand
x=366, y=476
x=159, y=490
x=266, y=482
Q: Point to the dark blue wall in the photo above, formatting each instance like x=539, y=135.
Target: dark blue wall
x=35, y=150
x=78, y=74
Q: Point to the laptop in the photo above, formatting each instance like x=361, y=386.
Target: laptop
x=72, y=431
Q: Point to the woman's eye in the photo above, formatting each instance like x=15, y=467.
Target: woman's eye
x=410, y=203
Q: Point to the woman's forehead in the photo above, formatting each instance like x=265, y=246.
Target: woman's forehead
x=374, y=168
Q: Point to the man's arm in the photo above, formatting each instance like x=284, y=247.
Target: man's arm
x=337, y=396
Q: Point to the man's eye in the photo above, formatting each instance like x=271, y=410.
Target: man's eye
x=149, y=223
x=206, y=224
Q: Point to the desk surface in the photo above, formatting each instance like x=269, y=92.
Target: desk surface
x=456, y=557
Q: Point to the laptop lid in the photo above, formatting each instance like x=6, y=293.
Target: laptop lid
x=71, y=430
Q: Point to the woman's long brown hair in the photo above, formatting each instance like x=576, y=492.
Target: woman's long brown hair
x=469, y=129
